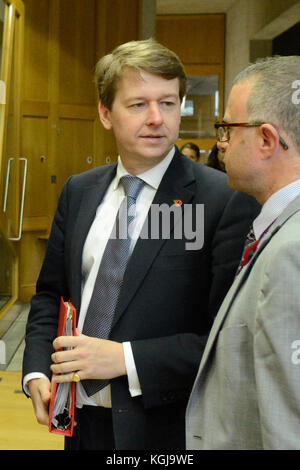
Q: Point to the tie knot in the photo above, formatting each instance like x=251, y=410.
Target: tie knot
x=132, y=186
x=250, y=236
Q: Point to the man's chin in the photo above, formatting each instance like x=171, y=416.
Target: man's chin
x=233, y=184
x=242, y=187
x=155, y=154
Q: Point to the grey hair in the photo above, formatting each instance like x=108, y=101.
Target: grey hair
x=272, y=97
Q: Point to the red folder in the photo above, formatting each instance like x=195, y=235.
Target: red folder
x=62, y=400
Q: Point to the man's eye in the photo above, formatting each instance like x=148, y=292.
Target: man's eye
x=168, y=103
x=137, y=105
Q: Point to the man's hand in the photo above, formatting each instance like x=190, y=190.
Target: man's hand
x=91, y=358
x=40, y=394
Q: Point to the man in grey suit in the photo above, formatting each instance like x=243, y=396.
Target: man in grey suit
x=247, y=391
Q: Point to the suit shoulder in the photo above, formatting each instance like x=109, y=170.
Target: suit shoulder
x=93, y=176
x=212, y=182
x=211, y=174
x=247, y=202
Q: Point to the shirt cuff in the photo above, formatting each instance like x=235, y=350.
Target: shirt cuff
x=133, y=379
x=32, y=375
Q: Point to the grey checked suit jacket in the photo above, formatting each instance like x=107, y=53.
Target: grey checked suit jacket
x=247, y=391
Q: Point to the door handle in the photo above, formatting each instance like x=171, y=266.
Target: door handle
x=7, y=183
x=18, y=238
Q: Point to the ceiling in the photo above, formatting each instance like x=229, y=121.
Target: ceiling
x=182, y=7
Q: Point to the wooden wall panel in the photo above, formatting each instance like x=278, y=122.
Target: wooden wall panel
x=75, y=149
x=122, y=23
x=35, y=149
x=36, y=65
x=77, y=51
x=196, y=39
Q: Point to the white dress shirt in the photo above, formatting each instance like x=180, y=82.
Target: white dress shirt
x=98, y=235
x=274, y=206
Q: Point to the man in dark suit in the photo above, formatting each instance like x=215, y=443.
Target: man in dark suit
x=174, y=280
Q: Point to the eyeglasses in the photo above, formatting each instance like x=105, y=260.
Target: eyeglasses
x=223, y=131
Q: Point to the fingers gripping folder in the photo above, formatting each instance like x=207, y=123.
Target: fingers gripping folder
x=62, y=400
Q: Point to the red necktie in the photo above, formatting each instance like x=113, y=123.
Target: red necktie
x=248, y=253
x=249, y=249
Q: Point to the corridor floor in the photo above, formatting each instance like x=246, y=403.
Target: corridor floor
x=19, y=429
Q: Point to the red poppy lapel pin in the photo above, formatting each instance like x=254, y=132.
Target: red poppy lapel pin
x=177, y=202
x=249, y=252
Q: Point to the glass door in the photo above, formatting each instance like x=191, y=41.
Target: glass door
x=13, y=167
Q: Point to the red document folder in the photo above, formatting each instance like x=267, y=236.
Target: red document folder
x=62, y=400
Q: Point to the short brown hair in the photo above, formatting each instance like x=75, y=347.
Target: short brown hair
x=147, y=55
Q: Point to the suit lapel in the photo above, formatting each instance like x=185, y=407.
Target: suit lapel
x=174, y=185
x=291, y=209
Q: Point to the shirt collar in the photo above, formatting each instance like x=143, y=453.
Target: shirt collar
x=152, y=177
x=274, y=206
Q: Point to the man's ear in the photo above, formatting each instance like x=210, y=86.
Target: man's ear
x=269, y=140
x=104, y=115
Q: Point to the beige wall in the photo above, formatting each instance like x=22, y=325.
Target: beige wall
x=250, y=27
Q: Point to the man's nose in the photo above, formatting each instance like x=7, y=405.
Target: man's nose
x=222, y=145
x=154, y=116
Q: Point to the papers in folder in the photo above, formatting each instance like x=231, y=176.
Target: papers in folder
x=62, y=401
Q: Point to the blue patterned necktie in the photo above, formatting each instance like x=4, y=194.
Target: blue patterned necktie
x=109, y=279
